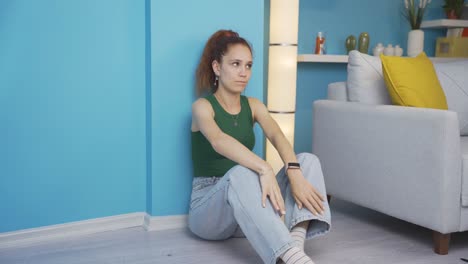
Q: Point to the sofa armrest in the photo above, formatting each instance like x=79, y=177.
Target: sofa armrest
x=401, y=161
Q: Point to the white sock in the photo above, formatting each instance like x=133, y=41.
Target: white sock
x=295, y=255
x=298, y=234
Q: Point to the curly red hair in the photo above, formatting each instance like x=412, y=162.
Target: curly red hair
x=216, y=46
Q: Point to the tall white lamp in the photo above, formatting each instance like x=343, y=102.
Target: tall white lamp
x=282, y=71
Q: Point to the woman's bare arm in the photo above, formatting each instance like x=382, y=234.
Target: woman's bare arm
x=304, y=193
x=222, y=143
x=229, y=147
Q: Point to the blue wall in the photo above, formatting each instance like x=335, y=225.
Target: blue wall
x=95, y=100
x=177, y=39
x=383, y=21
x=95, y=96
x=72, y=110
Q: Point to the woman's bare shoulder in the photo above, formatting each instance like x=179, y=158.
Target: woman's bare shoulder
x=201, y=105
x=254, y=101
x=256, y=104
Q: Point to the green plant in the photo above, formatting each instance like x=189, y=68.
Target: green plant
x=414, y=12
x=453, y=5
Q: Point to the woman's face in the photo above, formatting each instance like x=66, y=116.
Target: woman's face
x=235, y=69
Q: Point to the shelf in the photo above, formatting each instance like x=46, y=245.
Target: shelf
x=344, y=58
x=445, y=23
x=322, y=58
x=447, y=59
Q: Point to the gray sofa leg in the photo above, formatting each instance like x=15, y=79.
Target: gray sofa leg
x=441, y=242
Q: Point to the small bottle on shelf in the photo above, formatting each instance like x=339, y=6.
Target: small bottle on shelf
x=378, y=49
x=389, y=50
x=398, y=51
x=320, y=43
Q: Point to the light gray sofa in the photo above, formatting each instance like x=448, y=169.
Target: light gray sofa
x=409, y=163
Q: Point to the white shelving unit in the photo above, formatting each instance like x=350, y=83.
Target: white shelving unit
x=445, y=23
x=322, y=58
x=454, y=26
x=344, y=58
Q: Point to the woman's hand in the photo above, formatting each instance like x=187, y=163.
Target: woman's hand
x=271, y=190
x=304, y=193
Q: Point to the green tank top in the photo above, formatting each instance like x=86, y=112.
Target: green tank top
x=206, y=161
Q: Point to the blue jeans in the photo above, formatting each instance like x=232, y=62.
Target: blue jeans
x=224, y=207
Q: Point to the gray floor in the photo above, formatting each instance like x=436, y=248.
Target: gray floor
x=358, y=235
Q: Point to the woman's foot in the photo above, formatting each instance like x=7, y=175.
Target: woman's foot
x=298, y=234
x=295, y=255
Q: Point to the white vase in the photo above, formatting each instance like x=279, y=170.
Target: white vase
x=415, y=42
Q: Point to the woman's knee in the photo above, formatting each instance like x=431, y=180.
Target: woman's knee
x=240, y=176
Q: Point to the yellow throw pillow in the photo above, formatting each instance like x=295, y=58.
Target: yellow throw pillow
x=413, y=82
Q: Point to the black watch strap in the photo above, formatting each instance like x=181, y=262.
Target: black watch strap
x=293, y=165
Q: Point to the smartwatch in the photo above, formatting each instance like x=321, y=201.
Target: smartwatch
x=293, y=166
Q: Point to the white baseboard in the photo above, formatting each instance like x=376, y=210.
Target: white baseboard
x=157, y=223
x=42, y=234
x=86, y=227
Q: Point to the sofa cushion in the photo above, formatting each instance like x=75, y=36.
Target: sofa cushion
x=365, y=81
x=365, y=84
x=464, y=151
x=413, y=82
x=453, y=77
